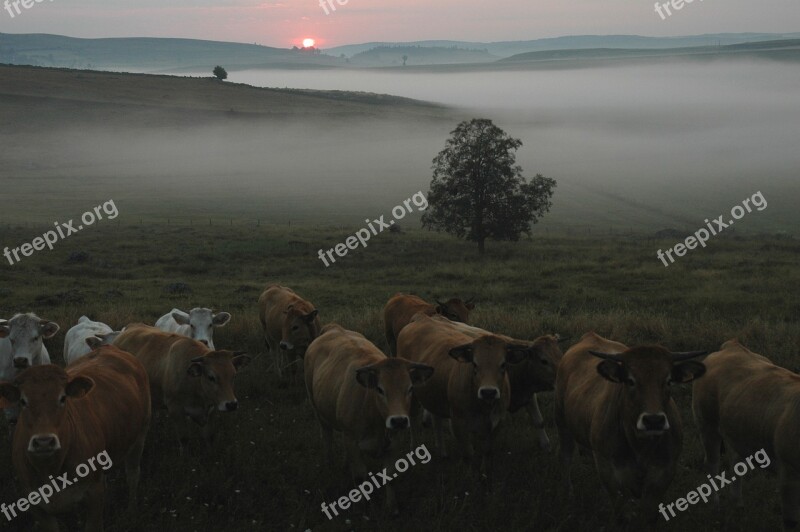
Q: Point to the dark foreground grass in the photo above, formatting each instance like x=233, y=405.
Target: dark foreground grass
x=267, y=471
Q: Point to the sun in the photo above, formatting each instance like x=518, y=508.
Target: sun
x=308, y=43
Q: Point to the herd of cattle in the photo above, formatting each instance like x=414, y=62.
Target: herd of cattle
x=610, y=399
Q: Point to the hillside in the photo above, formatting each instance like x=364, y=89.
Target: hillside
x=149, y=54
x=577, y=42
x=419, y=55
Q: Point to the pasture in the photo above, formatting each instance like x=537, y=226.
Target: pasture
x=267, y=471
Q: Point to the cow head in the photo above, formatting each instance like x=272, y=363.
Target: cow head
x=392, y=380
x=490, y=357
x=455, y=309
x=648, y=373
x=541, y=362
x=26, y=333
x=99, y=340
x=300, y=327
x=201, y=321
x=215, y=372
x=43, y=393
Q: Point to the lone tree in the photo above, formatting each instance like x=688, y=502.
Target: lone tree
x=220, y=73
x=478, y=191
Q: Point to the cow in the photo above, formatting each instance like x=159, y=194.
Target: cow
x=22, y=346
x=537, y=373
x=615, y=402
x=749, y=404
x=186, y=377
x=469, y=385
x=198, y=324
x=290, y=324
x=95, y=412
x=85, y=337
x=402, y=307
x=357, y=390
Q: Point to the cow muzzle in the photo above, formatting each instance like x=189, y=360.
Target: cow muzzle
x=44, y=444
x=21, y=363
x=652, y=424
x=228, y=406
x=397, y=422
x=286, y=346
x=488, y=393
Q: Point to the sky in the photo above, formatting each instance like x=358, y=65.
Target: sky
x=284, y=23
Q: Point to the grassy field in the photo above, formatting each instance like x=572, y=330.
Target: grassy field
x=268, y=473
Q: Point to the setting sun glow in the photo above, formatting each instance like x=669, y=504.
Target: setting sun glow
x=308, y=43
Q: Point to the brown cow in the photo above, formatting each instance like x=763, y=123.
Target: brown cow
x=357, y=390
x=751, y=404
x=290, y=324
x=402, y=307
x=97, y=410
x=537, y=373
x=469, y=384
x=186, y=377
x=615, y=401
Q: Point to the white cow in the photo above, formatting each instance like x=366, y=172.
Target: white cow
x=21, y=347
x=85, y=337
x=198, y=324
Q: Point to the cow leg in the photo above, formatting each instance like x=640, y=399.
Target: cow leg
x=181, y=423
x=566, y=448
x=437, y=427
x=538, y=423
x=461, y=433
x=95, y=503
x=427, y=418
x=712, y=443
x=327, y=441
x=736, y=487
x=133, y=469
x=790, y=497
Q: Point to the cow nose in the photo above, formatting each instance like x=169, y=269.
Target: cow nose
x=204, y=342
x=285, y=345
x=44, y=443
x=230, y=406
x=398, y=422
x=21, y=363
x=654, y=422
x=488, y=394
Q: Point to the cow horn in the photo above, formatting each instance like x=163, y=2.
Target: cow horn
x=605, y=356
x=677, y=357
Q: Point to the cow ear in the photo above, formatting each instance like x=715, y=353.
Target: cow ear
x=94, y=342
x=78, y=387
x=367, y=377
x=48, y=328
x=4, y=330
x=420, y=373
x=517, y=353
x=687, y=371
x=220, y=319
x=462, y=353
x=180, y=317
x=195, y=369
x=311, y=315
x=613, y=371
x=240, y=360
x=9, y=392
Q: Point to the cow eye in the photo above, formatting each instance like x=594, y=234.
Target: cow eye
x=23, y=402
x=212, y=378
x=503, y=366
x=62, y=400
x=381, y=390
x=294, y=328
x=630, y=382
